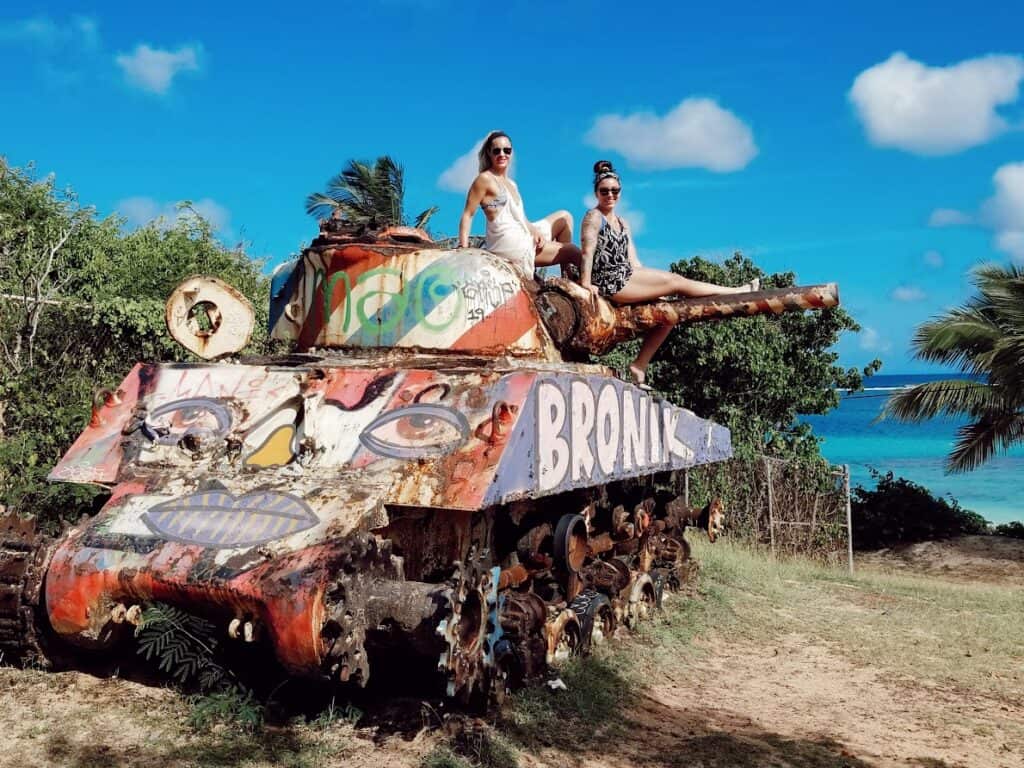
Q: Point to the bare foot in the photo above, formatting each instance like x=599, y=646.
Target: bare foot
x=639, y=376
x=753, y=285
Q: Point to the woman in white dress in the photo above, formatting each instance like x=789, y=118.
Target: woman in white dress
x=509, y=233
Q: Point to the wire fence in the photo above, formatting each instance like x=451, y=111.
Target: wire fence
x=787, y=507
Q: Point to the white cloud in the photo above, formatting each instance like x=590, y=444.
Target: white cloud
x=936, y=110
x=871, y=341
x=697, y=133
x=1004, y=211
x=44, y=32
x=933, y=259
x=635, y=218
x=908, y=293
x=949, y=217
x=153, y=69
x=1012, y=243
x=460, y=174
x=140, y=211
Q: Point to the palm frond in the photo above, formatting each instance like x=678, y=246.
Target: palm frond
x=956, y=337
x=371, y=195
x=937, y=398
x=424, y=217
x=320, y=205
x=976, y=443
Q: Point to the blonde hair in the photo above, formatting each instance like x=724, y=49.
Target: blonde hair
x=484, y=155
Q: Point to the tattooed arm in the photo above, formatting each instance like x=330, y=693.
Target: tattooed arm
x=589, y=230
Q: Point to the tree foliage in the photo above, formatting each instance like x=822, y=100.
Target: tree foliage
x=984, y=338
x=81, y=301
x=371, y=196
x=898, y=511
x=754, y=375
x=1014, y=530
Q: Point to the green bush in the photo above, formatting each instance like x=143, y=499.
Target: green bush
x=81, y=301
x=1014, y=530
x=899, y=511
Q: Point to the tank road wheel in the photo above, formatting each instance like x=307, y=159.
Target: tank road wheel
x=674, y=556
x=596, y=617
x=520, y=654
x=564, y=637
x=24, y=555
x=643, y=601
x=570, y=543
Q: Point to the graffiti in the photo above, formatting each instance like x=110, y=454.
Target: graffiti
x=276, y=450
x=215, y=382
x=370, y=392
x=220, y=520
x=273, y=440
x=485, y=293
x=416, y=431
x=587, y=435
x=392, y=301
x=200, y=419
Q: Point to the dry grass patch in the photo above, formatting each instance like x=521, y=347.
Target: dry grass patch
x=932, y=631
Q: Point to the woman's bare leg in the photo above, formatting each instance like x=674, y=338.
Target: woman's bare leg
x=646, y=284
x=561, y=226
x=554, y=252
x=654, y=339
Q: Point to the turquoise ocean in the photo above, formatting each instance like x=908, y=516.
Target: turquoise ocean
x=916, y=451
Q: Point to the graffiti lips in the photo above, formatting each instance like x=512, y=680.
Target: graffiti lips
x=220, y=520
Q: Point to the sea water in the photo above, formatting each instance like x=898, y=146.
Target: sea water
x=917, y=452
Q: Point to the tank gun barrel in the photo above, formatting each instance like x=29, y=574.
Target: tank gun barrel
x=578, y=323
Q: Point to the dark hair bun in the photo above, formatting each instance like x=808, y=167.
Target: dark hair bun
x=603, y=165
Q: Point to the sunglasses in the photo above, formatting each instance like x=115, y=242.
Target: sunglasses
x=605, y=191
x=498, y=150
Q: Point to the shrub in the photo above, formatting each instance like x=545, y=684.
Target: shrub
x=1014, y=530
x=899, y=511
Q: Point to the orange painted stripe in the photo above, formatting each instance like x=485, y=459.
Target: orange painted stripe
x=502, y=327
x=354, y=260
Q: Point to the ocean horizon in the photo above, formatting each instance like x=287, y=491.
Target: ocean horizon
x=851, y=435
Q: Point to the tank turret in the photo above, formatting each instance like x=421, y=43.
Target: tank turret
x=426, y=478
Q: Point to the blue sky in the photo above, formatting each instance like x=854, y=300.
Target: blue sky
x=876, y=145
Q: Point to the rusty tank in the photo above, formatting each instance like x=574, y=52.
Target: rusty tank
x=424, y=476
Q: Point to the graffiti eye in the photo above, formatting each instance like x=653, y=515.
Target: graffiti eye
x=199, y=418
x=416, y=431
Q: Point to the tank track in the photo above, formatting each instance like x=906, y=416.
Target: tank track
x=23, y=556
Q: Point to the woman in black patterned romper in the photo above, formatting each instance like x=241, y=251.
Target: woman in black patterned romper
x=610, y=266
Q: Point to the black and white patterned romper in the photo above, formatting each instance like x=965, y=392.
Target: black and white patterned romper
x=611, y=270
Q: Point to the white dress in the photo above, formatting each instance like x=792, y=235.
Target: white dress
x=508, y=234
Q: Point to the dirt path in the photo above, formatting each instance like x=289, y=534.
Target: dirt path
x=992, y=559
x=797, y=703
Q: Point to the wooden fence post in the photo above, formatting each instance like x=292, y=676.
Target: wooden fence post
x=814, y=519
x=849, y=517
x=771, y=504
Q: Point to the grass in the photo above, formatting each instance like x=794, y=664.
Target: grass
x=965, y=635
x=925, y=631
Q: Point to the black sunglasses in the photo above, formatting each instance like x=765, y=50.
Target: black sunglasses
x=609, y=191
x=498, y=150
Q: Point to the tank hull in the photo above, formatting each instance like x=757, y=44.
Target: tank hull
x=316, y=504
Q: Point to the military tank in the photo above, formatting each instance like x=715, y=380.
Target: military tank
x=425, y=476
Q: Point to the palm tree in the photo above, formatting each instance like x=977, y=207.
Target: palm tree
x=365, y=195
x=984, y=338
